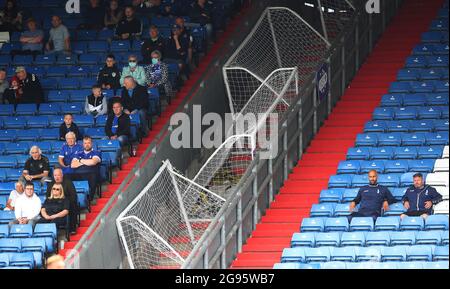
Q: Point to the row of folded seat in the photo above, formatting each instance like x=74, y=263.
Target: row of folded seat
x=415, y=99
x=412, y=126
x=397, y=153
x=367, y=239
x=391, y=223
x=424, y=253
x=427, y=49
x=391, y=166
x=410, y=113
x=388, y=180
x=337, y=265
x=397, y=139
x=424, y=61
x=429, y=86
x=418, y=74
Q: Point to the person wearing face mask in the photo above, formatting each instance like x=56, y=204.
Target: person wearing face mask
x=157, y=74
x=156, y=42
x=96, y=103
x=134, y=70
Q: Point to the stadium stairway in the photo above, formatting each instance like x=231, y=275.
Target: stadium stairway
x=157, y=133
x=264, y=248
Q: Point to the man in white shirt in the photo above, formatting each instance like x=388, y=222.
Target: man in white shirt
x=28, y=207
x=13, y=196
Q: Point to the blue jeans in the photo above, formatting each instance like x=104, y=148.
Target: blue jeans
x=142, y=119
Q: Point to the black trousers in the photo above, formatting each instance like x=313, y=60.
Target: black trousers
x=416, y=213
x=93, y=180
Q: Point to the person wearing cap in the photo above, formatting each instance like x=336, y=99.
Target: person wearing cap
x=177, y=48
x=32, y=40
x=420, y=198
x=30, y=89
x=156, y=42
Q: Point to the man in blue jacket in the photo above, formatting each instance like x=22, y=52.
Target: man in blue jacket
x=372, y=198
x=420, y=198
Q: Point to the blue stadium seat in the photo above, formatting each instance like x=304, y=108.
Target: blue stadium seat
x=56, y=121
x=22, y=260
x=374, y=126
x=312, y=225
x=58, y=96
x=305, y=239
x=321, y=254
x=49, y=109
x=10, y=245
x=293, y=255
x=362, y=224
x=405, y=113
x=367, y=166
x=429, y=237
x=426, y=125
x=336, y=224
x=28, y=135
x=441, y=125
x=416, y=62
x=23, y=60
x=21, y=231
x=419, y=253
x=6, y=109
x=412, y=223
x=120, y=46
x=441, y=86
x=440, y=49
x=389, y=139
x=4, y=260
x=441, y=253
x=67, y=60
x=432, y=37
x=326, y=196
x=445, y=112
x=439, y=138
x=392, y=100
x=429, y=112
x=430, y=74
x=68, y=83
x=87, y=83
x=8, y=162
x=49, y=134
x=393, y=254
x=416, y=99
x=97, y=46
x=6, y=188
x=398, y=193
x=83, y=121
x=80, y=47
x=368, y=139
x=86, y=35
x=105, y=34
x=56, y=71
x=73, y=108
x=342, y=210
x=89, y=59
x=37, y=122
x=359, y=153
x=79, y=95
x=435, y=265
x=328, y=239
x=439, y=61
x=82, y=201
x=437, y=99
x=349, y=195
x=400, y=87
x=79, y=71
x=96, y=133
x=383, y=113
x=359, y=181
x=26, y=109
x=387, y=223
x=333, y=265
x=403, y=238
x=422, y=87
x=353, y=239
x=349, y=167
x=439, y=25
x=34, y=245
x=344, y=254
x=322, y=210
x=291, y=266
x=4, y=231
x=14, y=122
x=423, y=166
x=381, y=153
x=413, y=139
x=340, y=181
x=396, y=166
x=19, y=148
x=410, y=265
x=406, y=74
x=430, y=152
x=45, y=230
x=436, y=222
x=395, y=209
x=368, y=254
x=46, y=60
x=389, y=180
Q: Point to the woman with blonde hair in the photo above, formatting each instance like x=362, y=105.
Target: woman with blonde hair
x=56, y=206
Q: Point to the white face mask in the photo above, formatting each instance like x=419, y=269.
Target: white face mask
x=132, y=64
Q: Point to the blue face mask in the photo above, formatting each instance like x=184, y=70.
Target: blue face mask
x=132, y=64
x=155, y=60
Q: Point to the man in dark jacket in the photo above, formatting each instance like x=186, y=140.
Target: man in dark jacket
x=154, y=43
x=30, y=87
x=70, y=192
x=109, y=76
x=130, y=27
x=118, y=125
x=420, y=198
x=135, y=101
x=372, y=198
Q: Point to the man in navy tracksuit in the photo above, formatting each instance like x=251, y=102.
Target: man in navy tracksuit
x=420, y=198
x=372, y=198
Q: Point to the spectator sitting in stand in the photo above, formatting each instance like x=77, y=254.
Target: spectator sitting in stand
x=157, y=74
x=59, y=41
x=37, y=167
x=177, y=48
x=129, y=27
x=25, y=88
x=68, y=151
x=118, y=125
x=14, y=195
x=201, y=13
x=32, y=40
x=86, y=166
x=154, y=7
x=109, y=76
x=93, y=16
x=96, y=103
x=68, y=126
x=27, y=207
x=134, y=70
x=113, y=14
x=4, y=85
x=56, y=206
x=140, y=8
x=11, y=17
x=185, y=36
x=154, y=43
x=134, y=99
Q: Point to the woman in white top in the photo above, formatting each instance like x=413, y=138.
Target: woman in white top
x=17, y=193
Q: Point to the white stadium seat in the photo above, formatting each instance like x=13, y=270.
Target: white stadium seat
x=437, y=179
x=445, y=154
x=444, y=192
x=441, y=165
x=441, y=208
